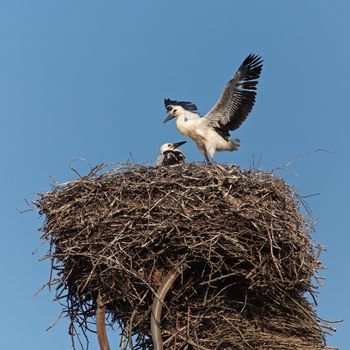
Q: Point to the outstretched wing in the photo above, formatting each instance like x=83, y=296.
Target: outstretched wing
x=238, y=97
x=189, y=106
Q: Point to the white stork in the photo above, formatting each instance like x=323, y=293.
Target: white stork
x=170, y=155
x=211, y=132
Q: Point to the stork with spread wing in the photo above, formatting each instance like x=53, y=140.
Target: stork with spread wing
x=211, y=132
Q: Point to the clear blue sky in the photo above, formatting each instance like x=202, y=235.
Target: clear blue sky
x=88, y=78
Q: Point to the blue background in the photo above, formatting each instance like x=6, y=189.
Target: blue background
x=87, y=79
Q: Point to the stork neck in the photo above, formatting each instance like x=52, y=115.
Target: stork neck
x=181, y=124
x=180, y=119
x=190, y=115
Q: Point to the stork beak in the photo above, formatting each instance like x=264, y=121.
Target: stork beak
x=178, y=144
x=169, y=117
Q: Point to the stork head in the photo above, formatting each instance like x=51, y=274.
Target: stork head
x=171, y=146
x=177, y=108
x=173, y=112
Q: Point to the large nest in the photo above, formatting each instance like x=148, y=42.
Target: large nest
x=235, y=240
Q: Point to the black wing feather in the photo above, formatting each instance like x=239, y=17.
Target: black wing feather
x=189, y=106
x=173, y=157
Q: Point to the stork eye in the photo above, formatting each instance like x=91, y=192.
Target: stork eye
x=175, y=110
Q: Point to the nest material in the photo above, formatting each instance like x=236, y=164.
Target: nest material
x=236, y=240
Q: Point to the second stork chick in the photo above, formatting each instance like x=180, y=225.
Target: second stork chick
x=170, y=155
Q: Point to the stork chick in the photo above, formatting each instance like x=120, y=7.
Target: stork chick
x=170, y=155
x=211, y=132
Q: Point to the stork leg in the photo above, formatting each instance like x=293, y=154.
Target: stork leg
x=207, y=159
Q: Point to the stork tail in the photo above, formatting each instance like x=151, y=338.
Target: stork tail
x=234, y=144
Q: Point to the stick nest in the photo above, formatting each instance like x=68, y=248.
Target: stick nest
x=236, y=239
